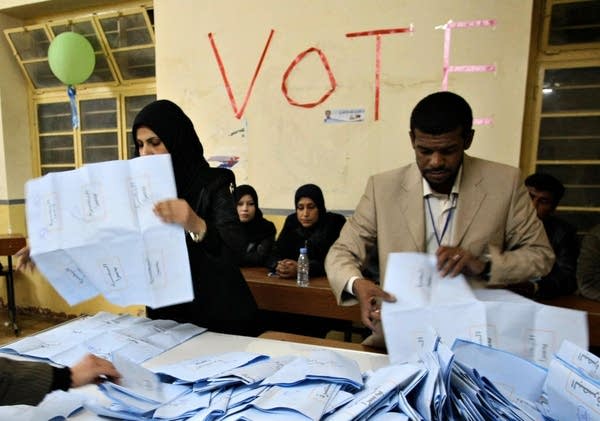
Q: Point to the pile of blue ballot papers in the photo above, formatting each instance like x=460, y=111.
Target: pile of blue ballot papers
x=465, y=382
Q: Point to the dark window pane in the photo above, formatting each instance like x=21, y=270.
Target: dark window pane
x=577, y=99
x=126, y=31
x=571, y=89
x=41, y=75
x=46, y=170
x=583, y=221
x=84, y=28
x=581, y=195
x=98, y=114
x=30, y=44
x=101, y=71
x=569, y=126
x=573, y=174
x=54, y=117
x=100, y=147
x=584, y=148
x=56, y=150
x=136, y=63
x=574, y=23
x=133, y=105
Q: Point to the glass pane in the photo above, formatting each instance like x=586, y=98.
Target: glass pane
x=57, y=150
x=85, y=28
x=41, y=75
x=98, y=114
x=566, y=127
x=570, y=174
x=583, y=221
x=100, y=147
x=581, y=195
x=46, y=170
x=584, y=148
x=31, y=44
x=575, y=23
x=135, y=64
x=126, y=31
x=133, y=104
x=54, y=117
x=101, y=71
x=571, y=89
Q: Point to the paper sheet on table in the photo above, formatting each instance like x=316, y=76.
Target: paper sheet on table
x=104, y=334
x=92, y=231
x=496, y=318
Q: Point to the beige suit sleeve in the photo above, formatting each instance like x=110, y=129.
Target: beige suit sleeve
x=349, y=253
x=527, y=253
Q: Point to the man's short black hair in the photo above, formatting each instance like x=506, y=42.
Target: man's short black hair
x=547, y=183
x=442, y=112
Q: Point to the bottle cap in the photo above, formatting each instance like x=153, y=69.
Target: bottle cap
x=303, y=250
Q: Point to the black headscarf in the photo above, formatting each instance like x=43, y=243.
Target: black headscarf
x=312, y=191
x=258, y=227
x=176, y=131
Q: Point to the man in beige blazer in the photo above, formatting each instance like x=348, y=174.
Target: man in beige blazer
x=474, y=215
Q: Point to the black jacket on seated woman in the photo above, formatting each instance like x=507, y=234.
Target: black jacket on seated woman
x=311, y=226
x=259, y=234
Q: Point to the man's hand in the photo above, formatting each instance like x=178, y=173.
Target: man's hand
x=454, y=260
x=287, y=268
x=92, y=369
x=178, y=211
x=25, y=261
x=369, y=296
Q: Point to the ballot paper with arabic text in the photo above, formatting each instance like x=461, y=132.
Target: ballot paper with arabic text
x=93, y=231
x=496, y=318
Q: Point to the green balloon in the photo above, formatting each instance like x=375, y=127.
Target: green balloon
x=71, y=58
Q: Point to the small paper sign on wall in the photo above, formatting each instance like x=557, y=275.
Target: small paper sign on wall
x=344, y=115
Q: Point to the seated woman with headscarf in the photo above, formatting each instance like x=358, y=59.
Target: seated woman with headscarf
x=206, y=210
x=311, y=227
x=259, y=233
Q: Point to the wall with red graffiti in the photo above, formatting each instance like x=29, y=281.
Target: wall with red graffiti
x=288, y=92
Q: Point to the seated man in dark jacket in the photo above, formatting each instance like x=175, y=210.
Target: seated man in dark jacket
x=546, y=192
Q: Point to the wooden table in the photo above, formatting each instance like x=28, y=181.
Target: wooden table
x=577, y=302
x=9, y=245
x=283, y=295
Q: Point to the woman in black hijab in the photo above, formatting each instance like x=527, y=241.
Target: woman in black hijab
x=311, y=227
x=260, y=233
x=206, y=210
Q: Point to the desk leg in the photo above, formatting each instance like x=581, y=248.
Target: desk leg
x=10, y=292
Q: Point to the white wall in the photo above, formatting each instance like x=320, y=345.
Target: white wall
x=285, y=146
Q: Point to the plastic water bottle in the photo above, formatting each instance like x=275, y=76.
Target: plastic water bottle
x=302, y=279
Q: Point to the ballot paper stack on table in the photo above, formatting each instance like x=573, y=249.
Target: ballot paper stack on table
x=466, y=382
x=93, y=231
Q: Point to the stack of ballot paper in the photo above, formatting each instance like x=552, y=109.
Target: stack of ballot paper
x=494, y=317
x=104, y=334
x=465, y=382
x=93, y=231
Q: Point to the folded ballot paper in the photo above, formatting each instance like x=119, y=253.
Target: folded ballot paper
x=496, y=318
x=92, y=231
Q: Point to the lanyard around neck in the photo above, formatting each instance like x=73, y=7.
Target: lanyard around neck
x=439, y=238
